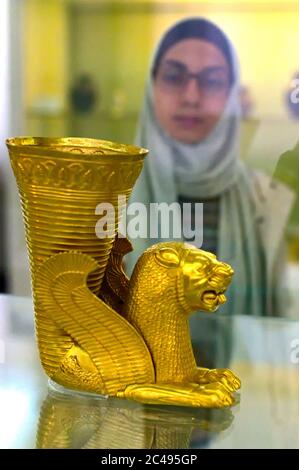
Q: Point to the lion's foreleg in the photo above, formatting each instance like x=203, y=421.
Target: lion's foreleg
x=214, y=395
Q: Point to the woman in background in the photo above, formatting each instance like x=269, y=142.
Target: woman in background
x=191, y=123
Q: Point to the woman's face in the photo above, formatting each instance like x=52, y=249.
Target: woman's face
x=188, y=106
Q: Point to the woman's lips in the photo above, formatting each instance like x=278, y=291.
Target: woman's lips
x=188, y=122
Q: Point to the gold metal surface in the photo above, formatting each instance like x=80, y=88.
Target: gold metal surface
x=78, y=421
x=97, y=330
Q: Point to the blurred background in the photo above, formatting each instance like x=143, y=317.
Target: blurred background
x=78, y=68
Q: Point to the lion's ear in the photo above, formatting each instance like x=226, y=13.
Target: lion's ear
x=168, y=257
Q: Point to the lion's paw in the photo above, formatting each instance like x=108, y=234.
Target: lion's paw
x=213, y=395
x=224, y=376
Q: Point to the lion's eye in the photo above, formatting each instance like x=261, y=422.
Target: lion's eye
x=201, y=265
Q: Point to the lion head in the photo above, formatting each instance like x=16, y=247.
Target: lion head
x=202, y=279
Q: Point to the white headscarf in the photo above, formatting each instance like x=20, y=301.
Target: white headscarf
x=206, y=170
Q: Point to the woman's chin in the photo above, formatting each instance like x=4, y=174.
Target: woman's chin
x=190, y=137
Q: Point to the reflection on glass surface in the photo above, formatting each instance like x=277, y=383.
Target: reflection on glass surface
x=14, y=408
x=263, y=352
x=74, y=420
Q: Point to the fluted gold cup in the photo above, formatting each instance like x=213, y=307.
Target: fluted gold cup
x=61, y=181
x=97, y=330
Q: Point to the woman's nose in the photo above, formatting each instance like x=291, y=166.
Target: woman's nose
x=192, y=94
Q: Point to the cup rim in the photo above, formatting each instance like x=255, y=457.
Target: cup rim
x=73, y=146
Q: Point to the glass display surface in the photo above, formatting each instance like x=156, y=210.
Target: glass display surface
x=38, y=414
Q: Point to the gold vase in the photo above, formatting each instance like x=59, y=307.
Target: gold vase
x=61, y=181
x=97, y=330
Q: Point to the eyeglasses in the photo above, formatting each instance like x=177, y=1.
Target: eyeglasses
x=174, y=78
